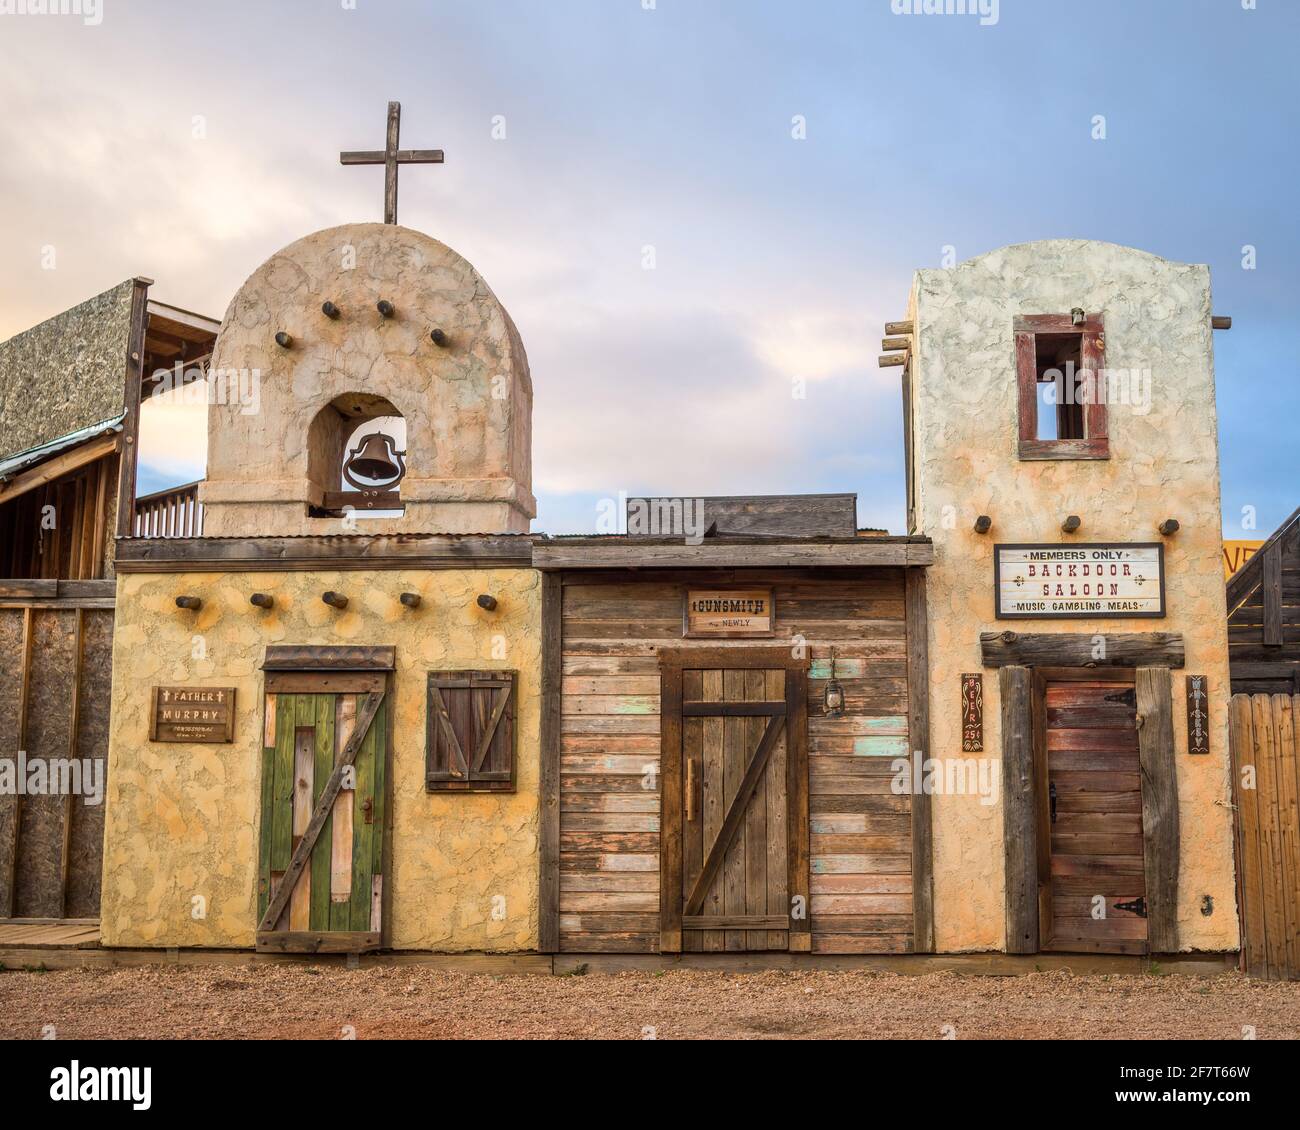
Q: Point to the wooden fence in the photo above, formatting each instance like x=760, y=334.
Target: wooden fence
x=1266, y=784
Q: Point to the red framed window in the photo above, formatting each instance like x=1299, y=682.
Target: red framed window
x=1061, y=387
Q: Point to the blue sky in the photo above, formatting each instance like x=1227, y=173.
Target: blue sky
x=775, y=259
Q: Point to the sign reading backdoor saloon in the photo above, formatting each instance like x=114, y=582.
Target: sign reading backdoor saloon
x=729, y=613
x=192, y=714
x=1121, y=579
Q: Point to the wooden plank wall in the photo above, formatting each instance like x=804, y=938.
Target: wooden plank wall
x=54, y=703
x=613, y=626
x=1265, y=755
x=77, y=546
x=1264, y=631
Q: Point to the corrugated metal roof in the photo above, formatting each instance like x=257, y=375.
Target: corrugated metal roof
x=33, y=455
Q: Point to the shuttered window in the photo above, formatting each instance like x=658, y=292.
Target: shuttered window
x=470, y=744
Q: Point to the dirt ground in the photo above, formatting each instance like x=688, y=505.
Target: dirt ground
x=271, y=1001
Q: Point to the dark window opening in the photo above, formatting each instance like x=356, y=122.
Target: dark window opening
x=1059, y=389
x=1057, y=361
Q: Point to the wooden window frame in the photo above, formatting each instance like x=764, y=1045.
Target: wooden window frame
x=1096, y=441
x=476, y=780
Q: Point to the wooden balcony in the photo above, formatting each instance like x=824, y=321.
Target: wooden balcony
x=173, y=513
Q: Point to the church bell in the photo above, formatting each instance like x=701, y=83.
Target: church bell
x=377, y=460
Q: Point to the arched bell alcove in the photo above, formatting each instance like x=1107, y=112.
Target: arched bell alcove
x=356, y=455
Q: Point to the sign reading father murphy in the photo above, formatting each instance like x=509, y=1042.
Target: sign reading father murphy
x=1120, y=579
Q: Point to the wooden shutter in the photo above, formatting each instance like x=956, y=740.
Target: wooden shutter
x=470, y=743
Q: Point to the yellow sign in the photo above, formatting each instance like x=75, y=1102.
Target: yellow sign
x=1236, y=554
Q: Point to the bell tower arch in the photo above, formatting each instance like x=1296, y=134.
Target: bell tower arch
x=352, y=325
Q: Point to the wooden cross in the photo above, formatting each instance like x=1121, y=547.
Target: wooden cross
x=390, y=157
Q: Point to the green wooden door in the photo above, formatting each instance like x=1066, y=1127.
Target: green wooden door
x=336, y=902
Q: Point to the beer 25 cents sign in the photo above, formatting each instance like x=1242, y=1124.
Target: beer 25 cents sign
x=1099, y=581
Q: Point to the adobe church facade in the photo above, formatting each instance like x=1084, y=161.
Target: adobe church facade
x=435, y=602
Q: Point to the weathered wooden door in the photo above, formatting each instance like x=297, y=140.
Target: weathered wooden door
x=734, y=834
x=1092, y=880
x=324, y=769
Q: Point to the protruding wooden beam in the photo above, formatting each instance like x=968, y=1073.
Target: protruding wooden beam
x=1221, y=322
x=889, y=359
x=1071, y=524
x=983, y=524
x=898, y=328
x=895, y=343
x=1169, y=526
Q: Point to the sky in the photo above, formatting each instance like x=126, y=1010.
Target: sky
x=187, y=142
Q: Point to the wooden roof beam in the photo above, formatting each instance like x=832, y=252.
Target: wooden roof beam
x=59, y=466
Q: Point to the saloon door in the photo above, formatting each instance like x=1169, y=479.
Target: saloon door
x=1092, y=879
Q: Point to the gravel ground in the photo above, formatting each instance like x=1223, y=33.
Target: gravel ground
x=272, y=1001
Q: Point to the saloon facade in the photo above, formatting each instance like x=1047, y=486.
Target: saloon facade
x=424, y=728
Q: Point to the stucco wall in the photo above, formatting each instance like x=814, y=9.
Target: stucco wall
x=1163, y=464
x=183, y=820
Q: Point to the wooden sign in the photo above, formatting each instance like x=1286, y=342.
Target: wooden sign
x=1100, y=581
x=729, y=613
x=1198, y=715
x=972, y=713
x=192, y=714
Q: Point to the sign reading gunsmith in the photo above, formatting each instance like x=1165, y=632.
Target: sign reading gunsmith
x=192, y=714
x=1123, y=579
x=729, y=613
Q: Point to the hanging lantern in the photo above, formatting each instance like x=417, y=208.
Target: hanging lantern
x=833, y=696
x=375, y=463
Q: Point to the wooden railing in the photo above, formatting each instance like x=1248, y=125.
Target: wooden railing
x=173, y=513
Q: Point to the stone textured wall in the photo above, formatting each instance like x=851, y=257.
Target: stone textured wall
x=67, y=373
x=183, y=820
x=1163, y=464
x=467, y=406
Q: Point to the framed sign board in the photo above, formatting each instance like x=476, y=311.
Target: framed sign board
x=729, y=614
x=192, y=714
x=1111, y=580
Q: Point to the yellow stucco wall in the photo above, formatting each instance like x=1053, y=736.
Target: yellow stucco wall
x=183, y=820
x=1164, y=463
